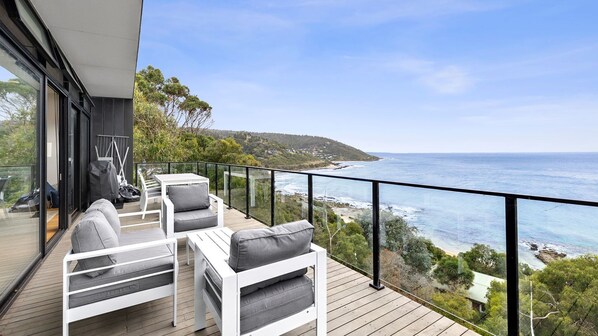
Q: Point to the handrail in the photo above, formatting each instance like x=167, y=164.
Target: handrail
x=511, y=220
x=397, y=183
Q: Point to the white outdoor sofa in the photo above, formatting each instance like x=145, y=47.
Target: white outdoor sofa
x=190, y=208
x=116, y=270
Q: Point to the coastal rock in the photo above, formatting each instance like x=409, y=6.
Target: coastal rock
x=533, y=247
x=547, y=255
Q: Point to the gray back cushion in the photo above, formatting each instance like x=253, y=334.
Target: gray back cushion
x=189, y=197
x=109, y=211
x=258, y=247
x=94, y=233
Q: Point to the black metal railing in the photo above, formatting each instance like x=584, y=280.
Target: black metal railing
x=510, y=206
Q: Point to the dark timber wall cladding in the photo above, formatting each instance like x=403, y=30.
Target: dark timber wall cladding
x=113, y=116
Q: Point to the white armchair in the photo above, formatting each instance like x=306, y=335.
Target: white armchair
x=248, y=295
x=189, y=208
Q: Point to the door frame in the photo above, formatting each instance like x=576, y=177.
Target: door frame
x=63, y=220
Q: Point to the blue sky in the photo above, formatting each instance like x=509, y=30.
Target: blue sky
x=393, y=76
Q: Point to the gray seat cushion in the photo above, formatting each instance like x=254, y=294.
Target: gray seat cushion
x=189, y=197
x=109, y=211
x=258, y=247
x=94, y=233
x=127, y=271
x=270, y=304
x=194, y=220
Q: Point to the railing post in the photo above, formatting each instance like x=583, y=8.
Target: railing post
x=197, y=168
x=136, y=173
x=247, y=193
x=216, y=178
x=310, y=199
x=169, y=167
x=230, y=177
x=376, y=236
x=512, y=265
x=272, y=198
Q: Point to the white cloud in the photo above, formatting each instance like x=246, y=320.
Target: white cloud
x=368, y=12
x=440, y=78
x=447, y=80
x=529, y=112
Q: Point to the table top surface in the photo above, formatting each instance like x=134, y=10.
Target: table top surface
x=219, y=237
x=186, y=177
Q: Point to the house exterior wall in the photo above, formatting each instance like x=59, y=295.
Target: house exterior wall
x=113, y=116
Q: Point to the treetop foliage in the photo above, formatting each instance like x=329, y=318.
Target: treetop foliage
x=187, y=110
x=168, y=122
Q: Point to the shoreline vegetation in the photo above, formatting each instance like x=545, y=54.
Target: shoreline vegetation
x=294, y=152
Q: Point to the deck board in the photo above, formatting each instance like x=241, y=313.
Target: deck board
x=354, y=308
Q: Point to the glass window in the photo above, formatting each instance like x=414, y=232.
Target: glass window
x=36, y=28
x=19, y=186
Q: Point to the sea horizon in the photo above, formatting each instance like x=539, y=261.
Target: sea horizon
x=498, y=152
x=455, y=221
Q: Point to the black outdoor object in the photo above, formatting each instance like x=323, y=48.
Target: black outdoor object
x=129, y=193
x=30, y=202
x=27, y=203
x=103, y=182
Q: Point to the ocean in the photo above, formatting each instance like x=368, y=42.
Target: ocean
x=456, y=221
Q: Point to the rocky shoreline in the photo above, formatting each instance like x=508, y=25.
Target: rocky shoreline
x=545, y=253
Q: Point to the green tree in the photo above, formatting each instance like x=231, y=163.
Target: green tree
x=155, y=136
x=456, y=303
x=167, y=123
x=345, y=241
x=436, y=252
x=18, y=109
x=560, y=299
x=454, y=273
x=228, y=151
x=496, y=308
x=187, y=110
x=395, y=271
x=402, y=238
x=481, y=258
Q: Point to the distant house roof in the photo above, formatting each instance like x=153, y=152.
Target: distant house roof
x=481, y=283
x=99, y=38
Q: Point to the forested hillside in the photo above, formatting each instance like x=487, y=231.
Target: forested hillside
x=293, y=151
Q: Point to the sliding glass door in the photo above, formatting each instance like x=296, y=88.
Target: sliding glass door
x=20, y=236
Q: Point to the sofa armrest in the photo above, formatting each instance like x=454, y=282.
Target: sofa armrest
x=168, y=218
x=276, y=269
x=70, y=257
x=219, y=209
x=140, y=214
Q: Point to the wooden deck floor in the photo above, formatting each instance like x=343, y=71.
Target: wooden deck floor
x=354, y=308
